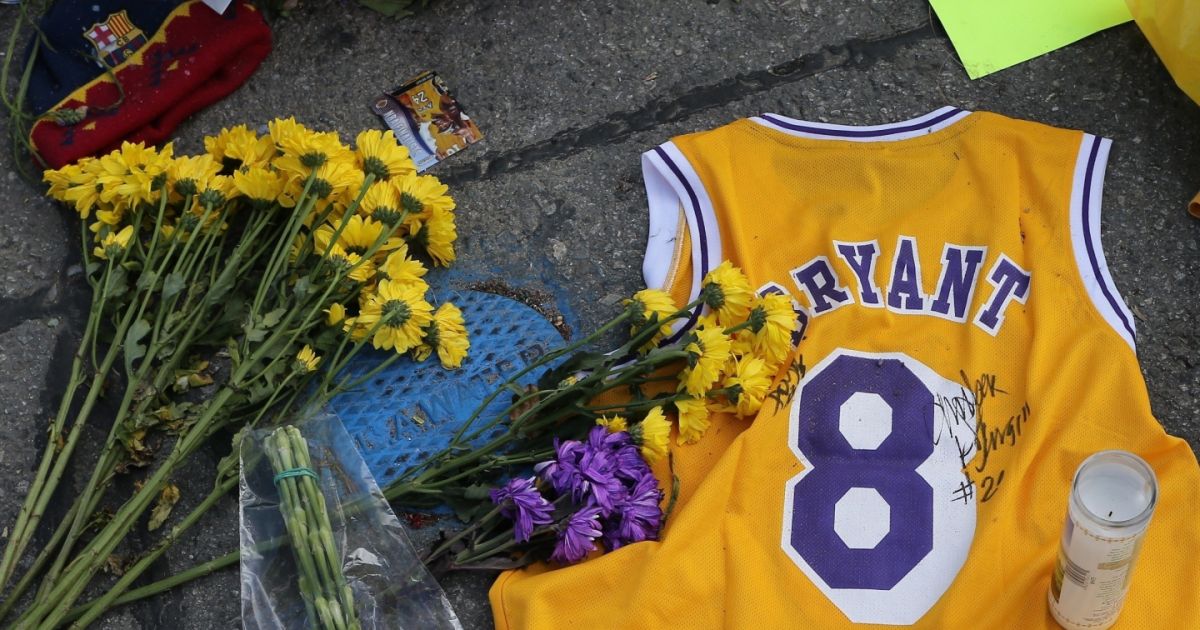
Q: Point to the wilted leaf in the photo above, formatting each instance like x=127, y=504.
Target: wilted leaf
x=166, y=502
x=135, y=445
x=196, y=379
x=115, y=565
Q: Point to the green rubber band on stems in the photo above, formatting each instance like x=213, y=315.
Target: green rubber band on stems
x=294, y=472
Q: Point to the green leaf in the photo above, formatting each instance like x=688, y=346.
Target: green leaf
x=166, y=502
x=254, y=334
x=272, y=318
x=235, y=355
x=134, y=349
x=117, y=283
x=302, y=288
x=147, y=280
x=173, y=284
x=476, y=492
x=220, y=288
x=389, y=8
x=260, y=391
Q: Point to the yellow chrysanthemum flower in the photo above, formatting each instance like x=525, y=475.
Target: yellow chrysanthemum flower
x=379, y=154
x=651, y=305
x=128, y=175
x=772, y=322
x=614, y=424
x=309, y=148
x=76, y=184
x=401, y=268
x=335, y=314
x=382, y=203
x=238, y=146
x=113, y=243
x=359, y=235
x=747, y=385
x=191, y=174
x=399, y=314
x=436, y=237
x=727, y=291
x=355, y=330
x=693, y=419
x=307, y=360
x=282, y=130
x=709, y=350
x=447, y=334
x=220, y=189
x=260, y=185
x=69, y=176
x=652, y=435
x=420, y=196
x=335, y=178
x=359, y=270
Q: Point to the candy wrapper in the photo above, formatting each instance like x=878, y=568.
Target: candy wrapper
x=320, y=548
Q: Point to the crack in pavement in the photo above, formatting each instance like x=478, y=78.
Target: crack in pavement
x=853, y=53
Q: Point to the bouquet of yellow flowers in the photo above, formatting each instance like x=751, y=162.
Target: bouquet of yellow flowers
x=591, y=431
x=230, y=288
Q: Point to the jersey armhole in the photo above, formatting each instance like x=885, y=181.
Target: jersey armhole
x=1087, y=191
x=677, y=198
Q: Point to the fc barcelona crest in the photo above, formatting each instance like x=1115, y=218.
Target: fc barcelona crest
x=115, y=38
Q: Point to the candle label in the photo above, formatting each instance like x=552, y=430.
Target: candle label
x=1091, y=576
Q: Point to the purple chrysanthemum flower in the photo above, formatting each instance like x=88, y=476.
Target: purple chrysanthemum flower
x=600, y=482
x=601, y=438
x=586, y=471
x=521, y=501
x=638, y=518
x=562, y=472
x=629, y=464
x=577, y=537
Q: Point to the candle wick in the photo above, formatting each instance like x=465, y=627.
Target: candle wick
x=1110, y=514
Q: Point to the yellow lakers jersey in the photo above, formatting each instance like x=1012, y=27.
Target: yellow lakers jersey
x=962, y=349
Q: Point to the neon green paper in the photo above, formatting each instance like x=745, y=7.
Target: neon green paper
x=992, y=35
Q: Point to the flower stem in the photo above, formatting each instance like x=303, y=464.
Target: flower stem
x=93, y=610
x=45, y=484
x=466, y=531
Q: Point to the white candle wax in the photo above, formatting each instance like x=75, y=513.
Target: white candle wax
x=1114, y=492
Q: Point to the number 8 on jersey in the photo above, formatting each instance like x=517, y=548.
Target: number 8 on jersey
x=878, y=519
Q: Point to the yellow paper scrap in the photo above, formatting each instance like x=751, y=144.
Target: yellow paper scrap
x=992, y=35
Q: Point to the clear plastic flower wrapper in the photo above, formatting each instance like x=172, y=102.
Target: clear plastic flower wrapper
x=320, y=547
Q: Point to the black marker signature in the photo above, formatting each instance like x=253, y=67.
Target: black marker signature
x=786, y=389
x=988, y=438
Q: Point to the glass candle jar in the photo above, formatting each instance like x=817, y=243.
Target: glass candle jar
x=1112, y=499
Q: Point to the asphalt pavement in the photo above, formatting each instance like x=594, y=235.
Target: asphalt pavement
x=568, y=94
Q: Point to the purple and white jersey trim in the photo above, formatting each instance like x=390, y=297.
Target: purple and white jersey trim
x=1086, y=196
x=914, y=128
x=672, y=187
